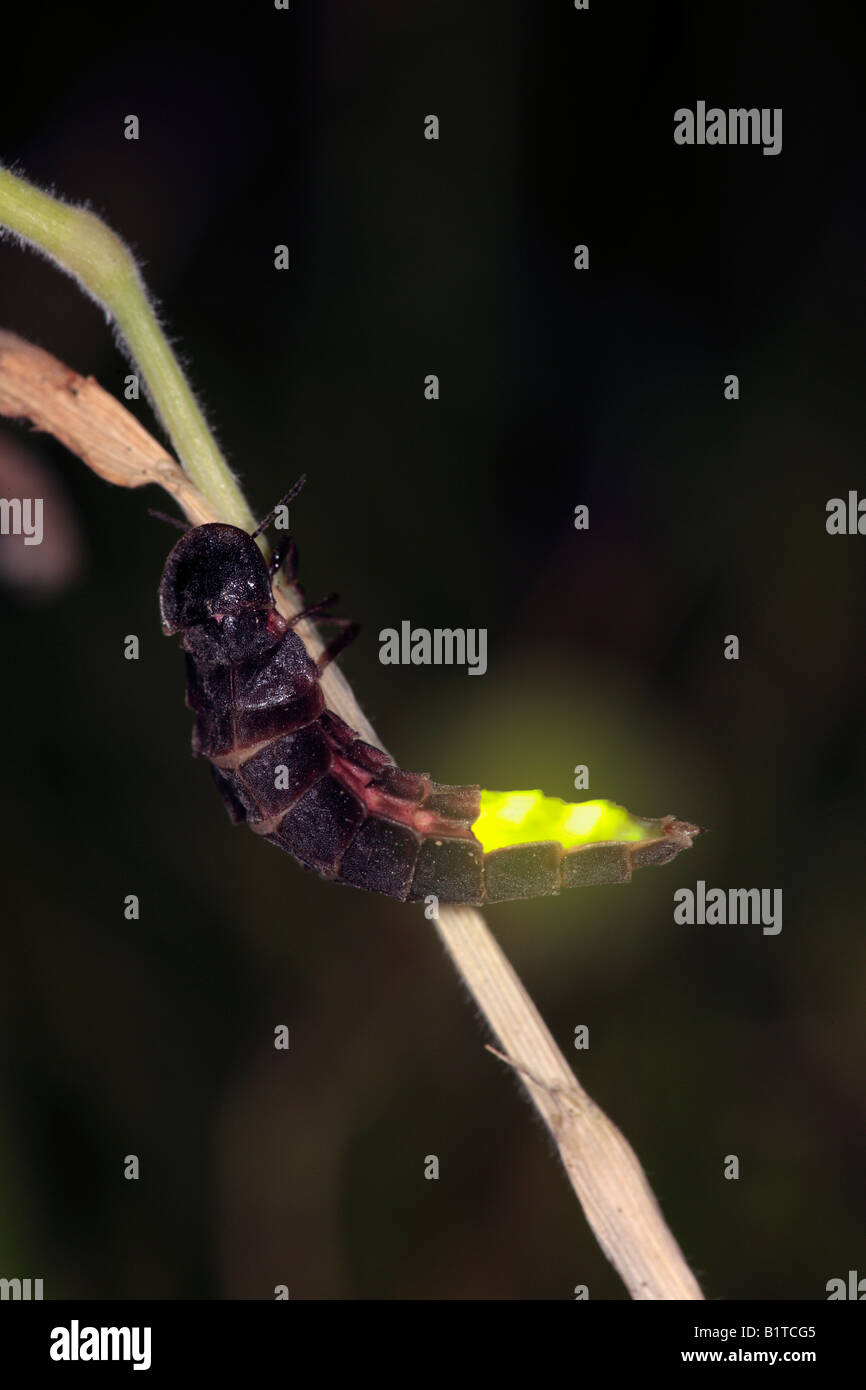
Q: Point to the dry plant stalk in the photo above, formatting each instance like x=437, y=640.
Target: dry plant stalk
x=601, y=1165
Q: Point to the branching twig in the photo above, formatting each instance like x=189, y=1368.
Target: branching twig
x=600, y=1164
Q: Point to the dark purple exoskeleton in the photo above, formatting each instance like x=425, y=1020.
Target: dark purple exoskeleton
x=302, y=778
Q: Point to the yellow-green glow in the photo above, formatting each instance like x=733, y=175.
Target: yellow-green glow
x=519, y=818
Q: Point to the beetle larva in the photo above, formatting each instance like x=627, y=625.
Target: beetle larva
x=302, y=778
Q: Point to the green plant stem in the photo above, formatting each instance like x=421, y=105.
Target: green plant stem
x=83, y=246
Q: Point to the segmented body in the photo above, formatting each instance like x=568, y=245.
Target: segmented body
x=302, y=778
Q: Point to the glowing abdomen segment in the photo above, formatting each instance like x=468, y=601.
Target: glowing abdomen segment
x=536, y=844
x=520, y=818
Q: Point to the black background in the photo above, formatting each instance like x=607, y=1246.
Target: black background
x=606, y=647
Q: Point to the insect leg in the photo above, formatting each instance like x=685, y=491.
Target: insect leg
x=349, y=630
x=285, y=558
x=312, y=610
